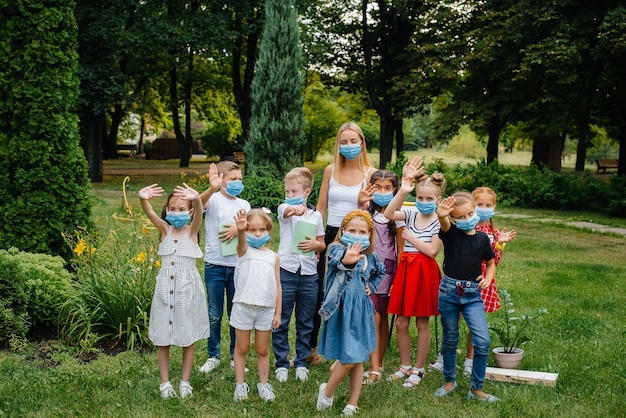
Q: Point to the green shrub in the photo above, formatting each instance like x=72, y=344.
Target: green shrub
x=263, y=188
x=116, y=275
x=45, y=282
x=14, y=320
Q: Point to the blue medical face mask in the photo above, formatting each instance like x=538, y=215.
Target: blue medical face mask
x=467, y=224
x=425, y=208
x=382, y=199
x=484, y=214
x=257, y=242
x=177, y=219
x=233, y=188
x=350, y=151
x=348, y=239
x=294, y=201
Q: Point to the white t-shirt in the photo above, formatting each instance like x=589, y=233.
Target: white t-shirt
x=288, y=260
x=221, y=210
x=255, y=278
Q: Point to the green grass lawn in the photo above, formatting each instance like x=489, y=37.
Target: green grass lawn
x=576, y=274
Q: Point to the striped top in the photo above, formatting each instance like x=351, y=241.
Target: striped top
x=424, y=234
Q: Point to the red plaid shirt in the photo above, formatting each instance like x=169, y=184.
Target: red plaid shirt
x=490, y=296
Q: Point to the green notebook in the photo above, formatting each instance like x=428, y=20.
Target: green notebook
x=303, y=230
x=228, y=248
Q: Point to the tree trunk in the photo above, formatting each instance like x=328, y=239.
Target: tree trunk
x=581, y=150
x=142, y=128
x=494, y=138
x=387, y=125
x=399, y=138
x=241, y=90
x=547, y=150
x=108, y=148
x=621, y=170
x=92, y=144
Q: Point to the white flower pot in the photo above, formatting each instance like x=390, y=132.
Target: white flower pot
x=507, y=360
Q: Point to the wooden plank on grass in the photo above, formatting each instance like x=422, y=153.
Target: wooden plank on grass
x=521, y=376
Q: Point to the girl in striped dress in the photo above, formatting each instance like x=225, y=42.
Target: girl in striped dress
x=416, y=284
x=178, y=315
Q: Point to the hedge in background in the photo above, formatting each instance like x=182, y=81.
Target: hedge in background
x=43, y=173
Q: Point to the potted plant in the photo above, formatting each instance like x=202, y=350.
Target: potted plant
x=512, y=333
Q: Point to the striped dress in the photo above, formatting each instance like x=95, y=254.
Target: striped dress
x=179, y=314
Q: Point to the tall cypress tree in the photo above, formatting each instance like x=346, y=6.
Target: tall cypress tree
x=276, y=126
x=43, y=174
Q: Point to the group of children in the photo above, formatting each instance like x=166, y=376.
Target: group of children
x=379, y=259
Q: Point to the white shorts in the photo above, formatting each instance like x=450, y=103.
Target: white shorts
x=247, y=317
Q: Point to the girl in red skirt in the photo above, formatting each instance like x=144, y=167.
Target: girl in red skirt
x=485, y=202
x=416, y=284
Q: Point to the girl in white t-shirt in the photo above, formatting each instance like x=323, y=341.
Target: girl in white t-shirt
x=257, y=301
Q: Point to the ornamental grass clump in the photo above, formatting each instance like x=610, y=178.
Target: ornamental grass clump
x=115, y=277
x=512, y=331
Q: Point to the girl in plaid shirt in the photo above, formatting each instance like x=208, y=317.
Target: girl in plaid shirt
x=485, y=202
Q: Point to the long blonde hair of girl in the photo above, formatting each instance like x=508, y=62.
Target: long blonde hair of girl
x=363, y=162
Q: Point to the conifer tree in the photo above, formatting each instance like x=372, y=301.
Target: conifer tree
x=277, y=122
x=43, y=173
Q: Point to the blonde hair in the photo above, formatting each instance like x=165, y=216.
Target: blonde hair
x=359, y=213
x=363, y=162
x=302, y=175
x=436, y=180
x=461, y=198
x=225, y=167
x=485, y=190
x=260, y=213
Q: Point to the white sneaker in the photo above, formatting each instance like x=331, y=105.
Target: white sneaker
x=468, y=364
x=185, y=390
x=282, y=374
x=302, y=374
x=323, y=403
x=167, y=390
x=349, y=410
x=265, y=392
x=438, y=364
x=232, y=366
x=210, y=364
x=241, y=392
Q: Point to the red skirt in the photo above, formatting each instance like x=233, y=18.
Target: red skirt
x=491, y=300
x=415, y=289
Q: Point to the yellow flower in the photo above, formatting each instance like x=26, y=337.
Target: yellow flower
x=80, y=247
x=141, y=257
x=157, y=263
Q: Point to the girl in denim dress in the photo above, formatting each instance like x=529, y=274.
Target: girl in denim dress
x=348, y=329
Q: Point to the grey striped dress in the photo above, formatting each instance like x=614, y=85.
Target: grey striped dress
x=179, y=314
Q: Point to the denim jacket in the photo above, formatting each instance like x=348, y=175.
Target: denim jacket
x=338, y=276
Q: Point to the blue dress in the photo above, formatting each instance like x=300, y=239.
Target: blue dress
x=348, y=332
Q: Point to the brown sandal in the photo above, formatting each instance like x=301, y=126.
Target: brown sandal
x=372, y=377
x=401, y=373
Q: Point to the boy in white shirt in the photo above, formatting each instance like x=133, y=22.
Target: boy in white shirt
x=298, y=273
x=221, y=205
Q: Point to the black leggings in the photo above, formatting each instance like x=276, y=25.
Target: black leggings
x=330, y=234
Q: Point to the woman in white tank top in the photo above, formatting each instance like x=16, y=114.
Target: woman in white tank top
x=339, y=194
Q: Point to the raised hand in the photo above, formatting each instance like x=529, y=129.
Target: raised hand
x=297, y=210
x=148, y=192
x=365, y=195
x=185, y=192
x=506, y=236
x=407, y=185
x=241, y=220
x=444, y=208
x=215, y=178
x=353, y=254
x=413, y=168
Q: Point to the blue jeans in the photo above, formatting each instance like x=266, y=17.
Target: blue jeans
x=300, y=290
x=463, y=297
x=217, y=279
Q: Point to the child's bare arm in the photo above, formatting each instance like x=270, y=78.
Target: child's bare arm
x=241, y=221
x=147, y=193
x=490, y=272
x=187, y=193
x=392, y=211
x=279, y=297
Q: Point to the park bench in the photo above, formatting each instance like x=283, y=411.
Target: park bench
x=129, y=149
x=603, y=164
